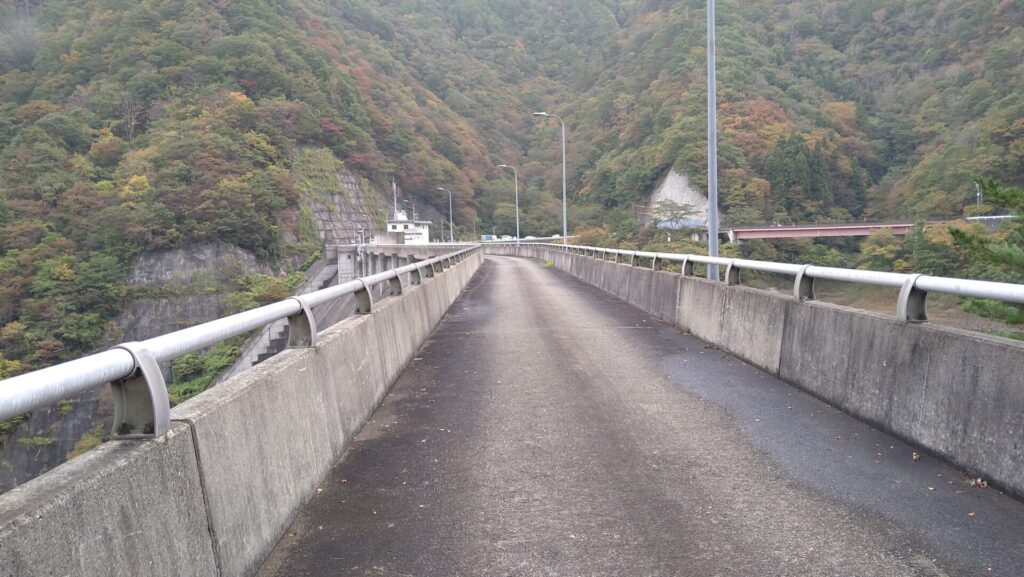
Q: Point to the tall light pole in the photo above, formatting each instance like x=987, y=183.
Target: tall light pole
x=516, y=174
x=712, y=145
x=451, y=216
x=565, y=205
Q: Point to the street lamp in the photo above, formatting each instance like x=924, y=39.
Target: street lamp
x=565, y=213
x=451, y=216
x=516, y=174
x=712, y=145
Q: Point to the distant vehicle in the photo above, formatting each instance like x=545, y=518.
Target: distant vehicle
x=506, y=237
x=487, y=237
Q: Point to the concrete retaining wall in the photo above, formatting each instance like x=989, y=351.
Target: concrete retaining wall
x=957, y=394
x=215, y=496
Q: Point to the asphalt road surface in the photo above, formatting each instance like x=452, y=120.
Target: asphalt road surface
x=549, y=429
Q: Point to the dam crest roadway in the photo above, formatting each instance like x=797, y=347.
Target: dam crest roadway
x=549, y=428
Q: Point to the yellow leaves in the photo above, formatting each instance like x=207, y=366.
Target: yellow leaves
x=135, y=189
x=879, y=251
x=81, y=163
x=63, y=271
x=70, y=57
x=33, y=110
x=845, y=167
x=263, y=151
x=758, y=188
x=12, y=329
x=9, y=368
x=237, y=96
x=938, y=235
x=843, y=115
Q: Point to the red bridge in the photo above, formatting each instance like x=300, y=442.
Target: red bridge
x=815, y=230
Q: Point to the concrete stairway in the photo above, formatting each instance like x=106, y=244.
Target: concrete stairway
x=274, y=338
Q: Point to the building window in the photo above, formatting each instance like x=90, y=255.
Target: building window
x=405, y=226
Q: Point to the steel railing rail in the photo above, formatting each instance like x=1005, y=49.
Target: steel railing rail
x=910, y=305
x=140, y=396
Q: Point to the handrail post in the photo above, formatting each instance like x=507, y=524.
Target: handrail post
x=395, y=283
x=364, y=299
x=142, y=409
x=803, y=286
x=302, y=326
x=911, y=306
x=732, y=273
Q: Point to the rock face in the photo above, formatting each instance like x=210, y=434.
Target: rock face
x=176, y=289
x=187, y=266
x=183, y=287
x=189, y=287
x=676, y=188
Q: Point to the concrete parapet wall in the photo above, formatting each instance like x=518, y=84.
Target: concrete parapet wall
x=745, y=322
x=653, y=292
x=124, y=509
x=954, y=393
x=215, y=495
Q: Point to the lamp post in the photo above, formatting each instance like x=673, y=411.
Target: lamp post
x=565, y=213
x=451, y=216
x=712, y=145
x=516, y=174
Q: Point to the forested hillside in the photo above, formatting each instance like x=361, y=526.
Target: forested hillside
x=872, y=108
x=128, y=126
x=829, y=110
x=135, y=126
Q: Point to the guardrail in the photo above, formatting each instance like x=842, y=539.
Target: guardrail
x=910, y=306
x=141, y=405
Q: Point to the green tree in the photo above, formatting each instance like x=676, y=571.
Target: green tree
x=999, y=256
x=1002, y=253
x=672, y=213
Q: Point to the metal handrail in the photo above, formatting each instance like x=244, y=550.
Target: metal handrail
x=44, y=387
x=914, y=288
